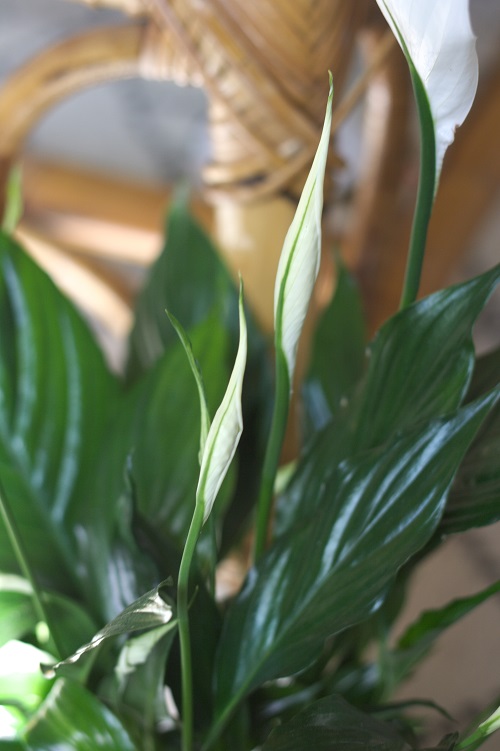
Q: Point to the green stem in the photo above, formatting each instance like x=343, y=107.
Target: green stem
x=23, y=562
x=273, y=452
x=183, y=623
x=425, y=195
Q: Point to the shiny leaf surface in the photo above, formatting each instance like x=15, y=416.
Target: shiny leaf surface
x=150, y=611
x=375, y=512
x=72, y=719
x=55, y=399
x=419, y=366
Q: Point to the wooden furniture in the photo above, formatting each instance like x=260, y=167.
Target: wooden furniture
x=263, y=65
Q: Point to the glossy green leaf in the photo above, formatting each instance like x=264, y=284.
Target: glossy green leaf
x=475, y=496
x=332, y=723
x=420, y=365
x=165, y=436
x=72, y=719
x=328, y=573
x=55, y=399
x=150, y=611
x=149, y=465
x=338, y=352
x=421, y=361
x=188, y=279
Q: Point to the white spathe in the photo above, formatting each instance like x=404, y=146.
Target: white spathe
x=299, y=261
x=225, y=431
x=437, y=36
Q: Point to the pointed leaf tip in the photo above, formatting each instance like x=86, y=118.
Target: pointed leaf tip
x=227, y=426
x=299, y=261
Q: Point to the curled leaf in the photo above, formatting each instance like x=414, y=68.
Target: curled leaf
x=149, y=611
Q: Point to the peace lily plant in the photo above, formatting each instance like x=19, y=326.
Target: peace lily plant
x=122, y=501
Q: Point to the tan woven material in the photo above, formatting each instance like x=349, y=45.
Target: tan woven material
x=264, y=64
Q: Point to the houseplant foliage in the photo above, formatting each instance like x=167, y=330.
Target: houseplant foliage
x=121, y=496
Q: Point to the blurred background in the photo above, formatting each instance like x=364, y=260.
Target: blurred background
x=102, y=157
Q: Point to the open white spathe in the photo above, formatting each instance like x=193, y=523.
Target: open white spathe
x=437, y=39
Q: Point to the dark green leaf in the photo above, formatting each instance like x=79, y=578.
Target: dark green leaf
x=55, y=399
x=338, y=352
x=433, y=622
x=189, y=279
x=137, y=693
x=375, y=512
x=420, y=636
x=153, y=609
x=419, y=367
x=149, y=467
x=332, y=723
x=72, y=719
x=475, y=497
x=421, y=361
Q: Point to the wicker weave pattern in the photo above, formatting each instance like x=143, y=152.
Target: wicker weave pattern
x=264, y=65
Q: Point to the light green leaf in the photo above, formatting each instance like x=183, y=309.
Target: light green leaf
x=226, y=429
x=72, y=719
x=153, y=609
x=482, y=732
x=18, y=618
x=299, y=261
x=14, y=204
x=22, y=685
x=439, y=44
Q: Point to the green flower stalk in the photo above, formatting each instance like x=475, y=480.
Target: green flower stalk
x=217, y=452
x=437, y=40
